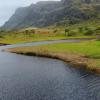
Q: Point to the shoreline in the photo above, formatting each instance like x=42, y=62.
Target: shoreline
x=2, y=44
x=74, y=60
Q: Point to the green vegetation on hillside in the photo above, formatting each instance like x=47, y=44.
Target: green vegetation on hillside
x=21, y=36
x=46, y=13
x=85, y=29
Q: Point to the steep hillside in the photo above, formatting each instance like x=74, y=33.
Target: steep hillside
x=46, y=13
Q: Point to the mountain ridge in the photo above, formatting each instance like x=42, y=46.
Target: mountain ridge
x=45, y=13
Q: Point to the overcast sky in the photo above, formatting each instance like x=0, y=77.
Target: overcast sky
x=8, y=7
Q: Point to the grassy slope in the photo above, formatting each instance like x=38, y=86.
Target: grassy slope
x=92, y=24
x=87, y=53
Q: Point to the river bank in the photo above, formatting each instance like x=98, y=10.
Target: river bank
x=2, y=44
x=76, y=54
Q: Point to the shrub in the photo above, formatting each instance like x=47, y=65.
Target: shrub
x=81, y=29
x=88, y=31
x=33, y=31
x=1, y=36
x=66, y=31
x=97, y=30
x=55, y=31
x=72, y=33
x=26, y=31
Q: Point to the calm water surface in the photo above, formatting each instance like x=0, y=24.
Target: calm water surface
x=36, y=78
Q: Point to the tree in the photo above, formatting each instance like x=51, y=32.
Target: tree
x=88, y=31
x=66, y=31
x=33, y=31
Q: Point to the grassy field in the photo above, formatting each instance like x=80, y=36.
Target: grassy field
x=86, y=54
x=13, y=38
x=87, y=29
x=21, y=36
x=89, y=49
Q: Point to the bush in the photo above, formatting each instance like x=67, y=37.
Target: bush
x=66, y=31
x=97, y=30
x=1, y=31
x=72, y=33
x=55, y=31
x=88, y=31
x=1, y=36
x=81, y=29
x=33, y=31
x=26, y=31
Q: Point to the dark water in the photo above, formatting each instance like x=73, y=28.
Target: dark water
x=36, y=78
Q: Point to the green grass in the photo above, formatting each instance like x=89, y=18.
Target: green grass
x=91, y=25
x=86, y=29
x=90, y=49
x=10, y=40
x=13, y=38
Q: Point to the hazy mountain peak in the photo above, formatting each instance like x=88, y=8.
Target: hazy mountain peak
x=46, y=13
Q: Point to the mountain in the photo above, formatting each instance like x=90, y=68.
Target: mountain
x=47, y=13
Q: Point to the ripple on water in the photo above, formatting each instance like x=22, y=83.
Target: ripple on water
x=33, y=78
